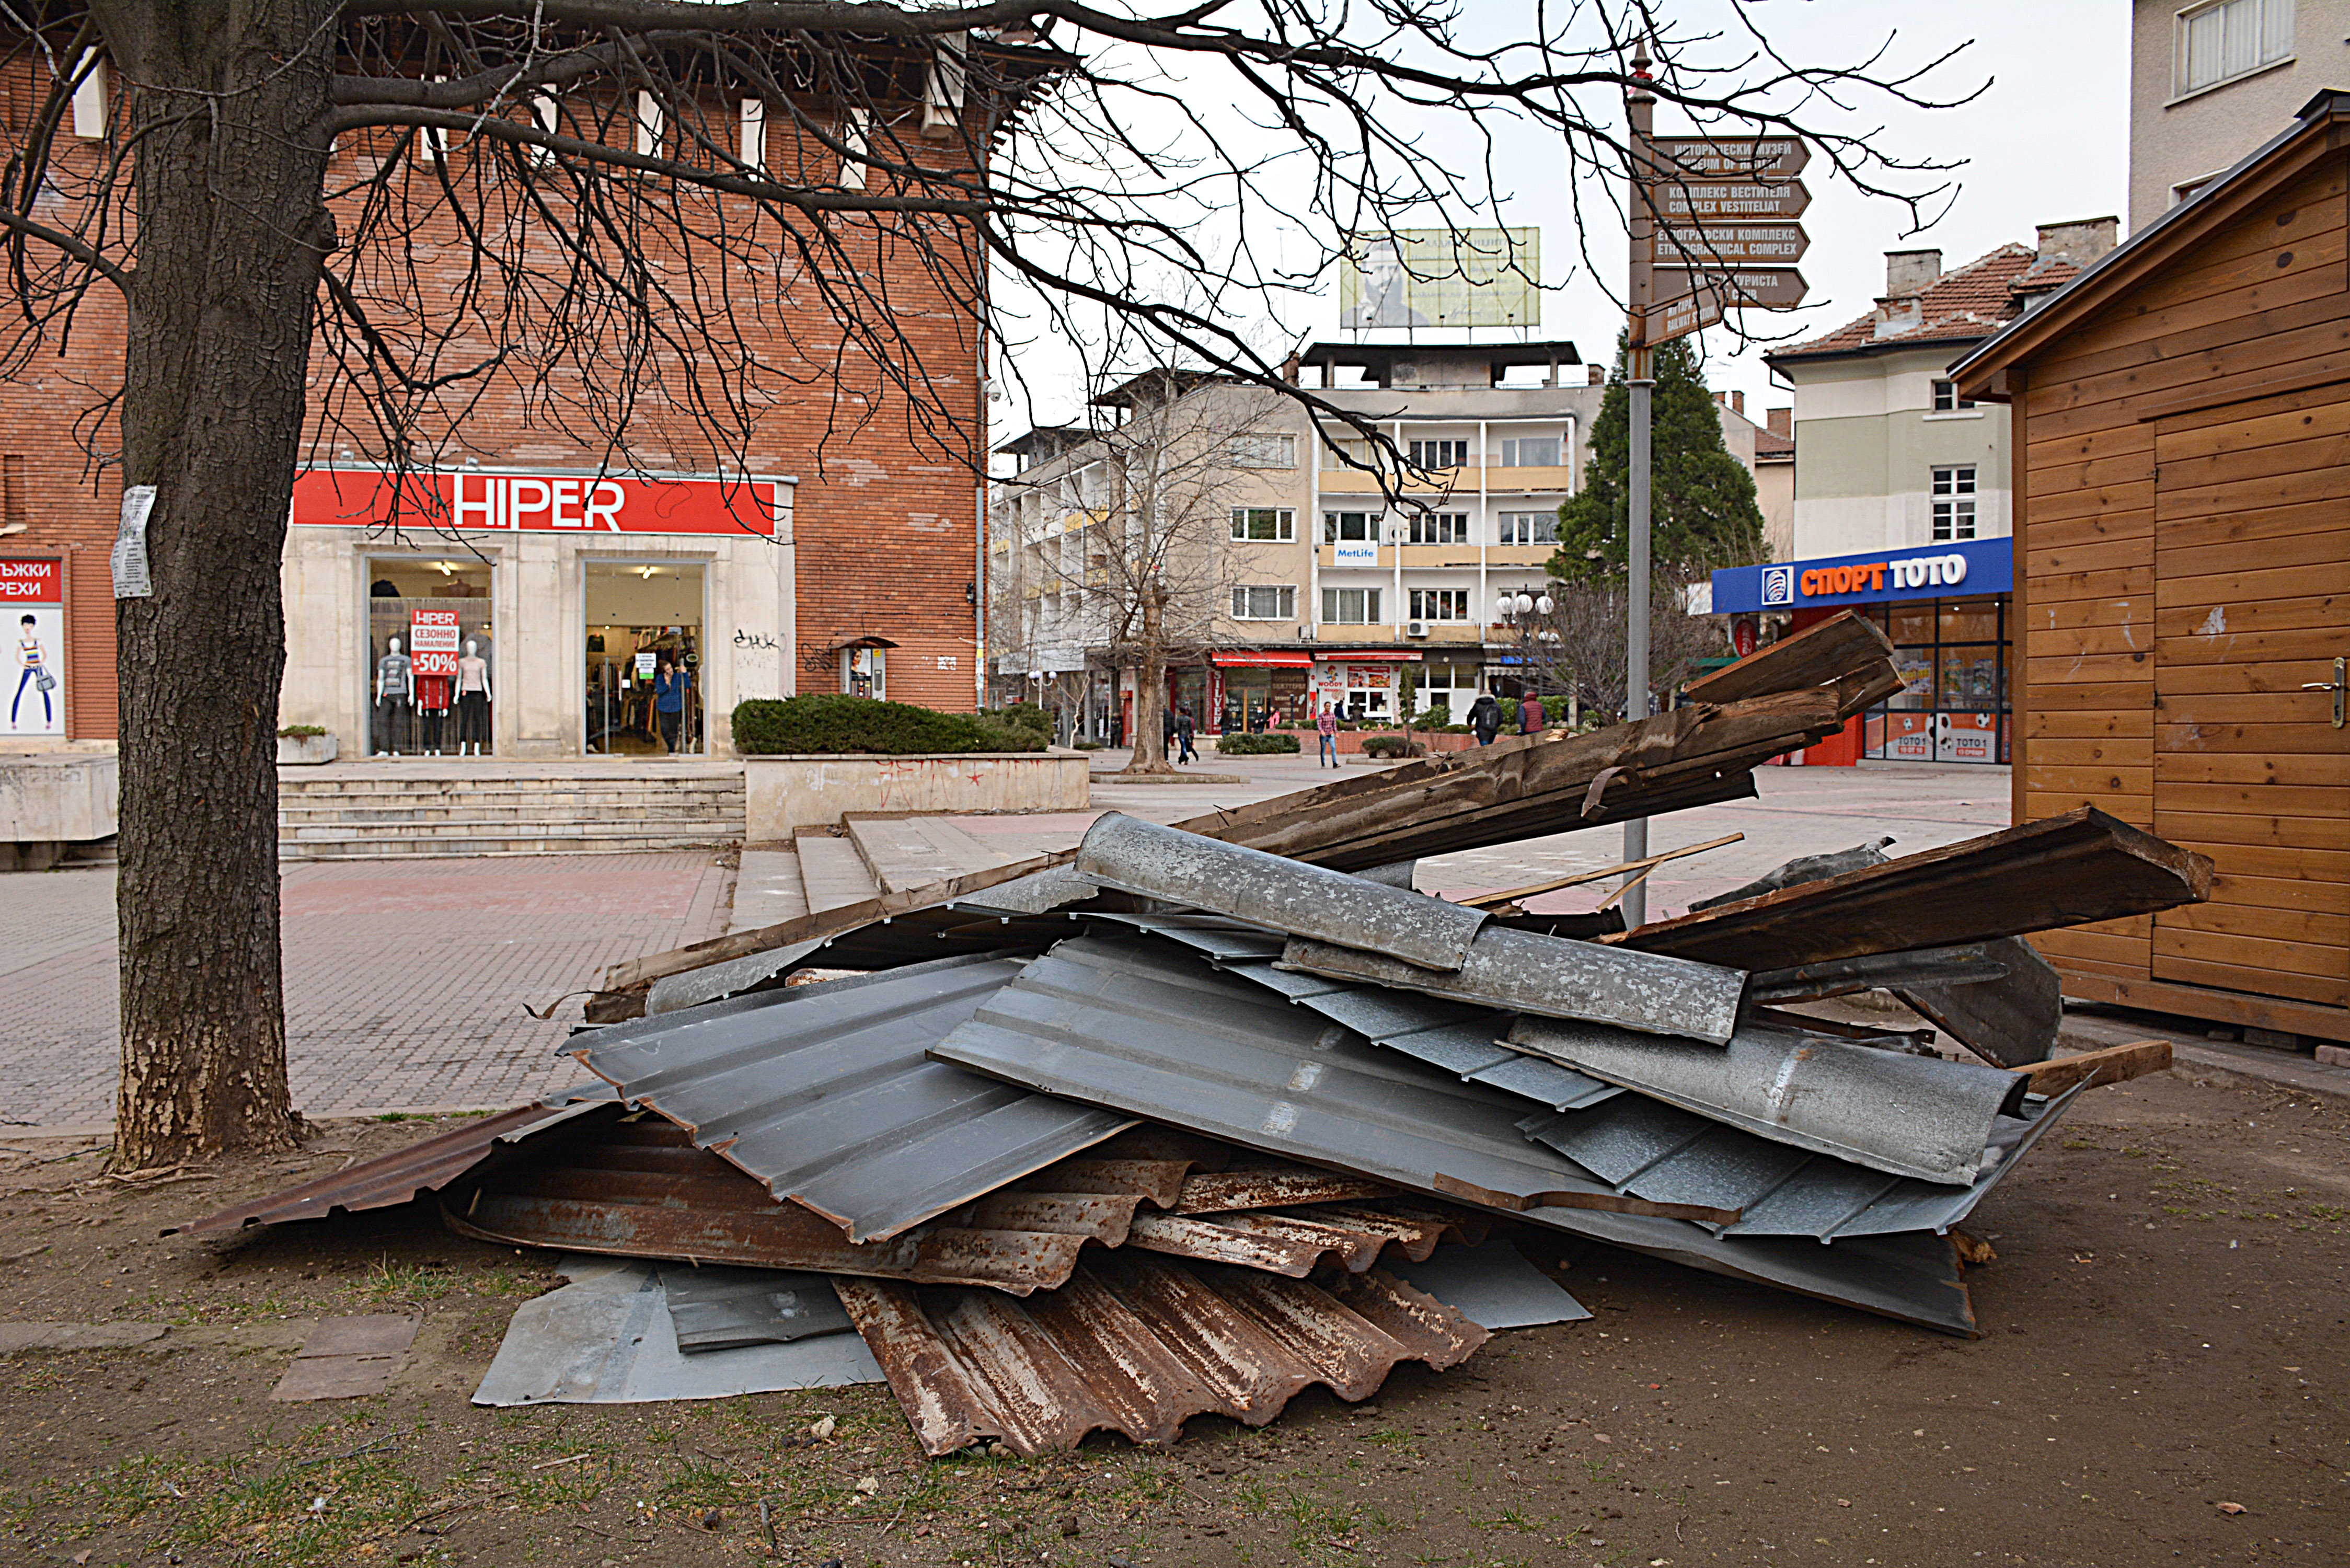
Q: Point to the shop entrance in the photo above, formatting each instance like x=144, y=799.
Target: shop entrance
x=644, y=658
x=429, y=686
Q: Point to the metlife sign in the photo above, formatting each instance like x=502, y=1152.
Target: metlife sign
x=1960, y=569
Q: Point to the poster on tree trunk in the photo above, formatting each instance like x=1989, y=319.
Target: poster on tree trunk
x=32, y=592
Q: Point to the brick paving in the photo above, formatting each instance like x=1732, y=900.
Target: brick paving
x=404, y=983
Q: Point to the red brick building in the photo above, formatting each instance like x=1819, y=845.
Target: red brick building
x=830, y=541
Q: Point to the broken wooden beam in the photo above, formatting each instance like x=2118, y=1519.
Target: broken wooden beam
x=1819, y=655
x=2114, y=1064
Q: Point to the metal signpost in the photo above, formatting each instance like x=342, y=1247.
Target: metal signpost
x=1725, y=209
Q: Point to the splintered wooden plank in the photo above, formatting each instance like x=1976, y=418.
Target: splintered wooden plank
x=1837, y=647
x=2067, y=870
x=2114, y=1064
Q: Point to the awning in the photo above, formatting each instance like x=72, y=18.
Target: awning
x=1399, y=656
x=1251, y=657
x=859, y=642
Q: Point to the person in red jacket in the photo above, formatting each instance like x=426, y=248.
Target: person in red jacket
x=1531, y=717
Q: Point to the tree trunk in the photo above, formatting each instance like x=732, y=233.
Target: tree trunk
x=232, y=230
x=1150, y=692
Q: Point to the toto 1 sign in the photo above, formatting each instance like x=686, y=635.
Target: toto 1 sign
x=1964, y=566
x=581, y=503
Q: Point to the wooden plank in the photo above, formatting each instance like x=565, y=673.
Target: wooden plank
x=2307, y=896
x=2326, y=424
x=2107, y=696
x=2278, y=708
x=2114, y=1064
x=2104, y=751
x=2082, y=614
x=2326, y=769
x=2320, y=643
x=2115, y=789
x=2066, y=870
x=2103, y=501
x=2252, y=494
x=2227, y=588
x=2020, y=602
x=2215, y=737
x=2197, y=1002
x=2125, y=723
x=2237, y=372
x=2277, y=959
x=2267, y=675
x=2105, y=948
x=2105, y=556
x=2316, y=928
x=2297, y=547
x=2282, y=862
x=2236, y=615
x=2124, y=437
x=2074, y=474
x=2068, y=966
x=2080, y=642
x=2276, y=303
x=2250, y=828
x=2063, y=533
x=2138, y=811
x=2265, y=523
x=2313, y=989
x=2114, y=668
x=2126, y=583
x=2259, y=799
x=1836, y=648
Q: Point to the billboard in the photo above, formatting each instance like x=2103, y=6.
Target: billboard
x=1441, y=278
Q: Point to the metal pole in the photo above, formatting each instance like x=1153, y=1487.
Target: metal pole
x=1641, y=107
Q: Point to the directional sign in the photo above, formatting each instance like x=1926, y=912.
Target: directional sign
x=1672, y=319
x=1681, y=202
x=1733, y=157
x=1739, y=288
x=1757, y=245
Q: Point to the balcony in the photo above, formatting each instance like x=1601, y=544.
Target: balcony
x=1459, y=481
x=1437, y=557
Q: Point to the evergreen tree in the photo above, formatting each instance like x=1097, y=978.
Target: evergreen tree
x=1702, y=511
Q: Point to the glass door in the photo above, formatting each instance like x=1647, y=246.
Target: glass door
x=644, y=658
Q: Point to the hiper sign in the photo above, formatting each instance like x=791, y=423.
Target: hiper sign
x=472, y=498
x=432, y=641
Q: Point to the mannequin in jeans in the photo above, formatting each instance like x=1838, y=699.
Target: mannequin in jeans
x=395, y=691
x=472, y=701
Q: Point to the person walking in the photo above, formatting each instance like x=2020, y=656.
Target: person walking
x=1184, y=730
x=669, y=686
x=1167, y=732
x=1327, y=726
x=1531, y=717
x=1485, y=718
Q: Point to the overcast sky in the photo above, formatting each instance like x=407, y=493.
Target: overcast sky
x=2047, y=140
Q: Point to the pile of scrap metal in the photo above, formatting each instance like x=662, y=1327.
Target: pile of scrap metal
x=1198, y=1116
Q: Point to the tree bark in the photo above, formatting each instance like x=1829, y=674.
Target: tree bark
x=229, y=99
x=1150, y=689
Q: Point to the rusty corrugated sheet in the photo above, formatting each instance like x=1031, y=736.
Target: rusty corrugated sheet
x=1272, y=1186
x=426, y=1166
x=1138, y=1346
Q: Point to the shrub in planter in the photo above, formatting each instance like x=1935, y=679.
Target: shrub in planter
x=1390, y=746
x=1264, y=745
x=1025, y=716
x=301, y=732
x=831, y=722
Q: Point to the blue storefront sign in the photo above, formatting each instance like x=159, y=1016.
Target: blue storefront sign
x=1959, y=570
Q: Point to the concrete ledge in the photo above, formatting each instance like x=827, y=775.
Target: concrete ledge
x=783, y=793
x=58, y=797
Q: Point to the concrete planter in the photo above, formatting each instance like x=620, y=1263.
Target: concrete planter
x=786, y=793
x=51, y=799
x=293, y=749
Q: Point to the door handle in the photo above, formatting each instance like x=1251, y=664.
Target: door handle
x=2339, y=686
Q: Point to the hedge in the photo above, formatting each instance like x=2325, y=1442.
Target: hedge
x=833, y=722
x=1394, y=745
x=1265, y=745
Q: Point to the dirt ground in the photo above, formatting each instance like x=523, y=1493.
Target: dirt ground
x=2161, y=1378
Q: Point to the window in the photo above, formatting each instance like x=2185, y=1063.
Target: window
x=1530, y=451
x=1954, y=503
x=649, y=125
x=1350, y=607
x=1265, y=602
x=1263, y=451
x=1947, y=399
x=1338, y=525
x=1439, y=454
x=1275, y=524
x=1440, y=528
x=855, y=137
x=2231, y=38
x=754, y=151
x=1360, y=451
x=1440, y=603
x=1528, y=528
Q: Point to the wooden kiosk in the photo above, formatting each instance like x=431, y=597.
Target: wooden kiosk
x=2181, y=451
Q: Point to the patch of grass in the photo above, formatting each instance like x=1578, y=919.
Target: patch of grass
x=387, y=1281
x=2333, y=1211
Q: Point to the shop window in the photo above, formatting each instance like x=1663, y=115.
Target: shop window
x=430, y=683
x=1440, y=603
x=1947, y=399
x=1530, y=451
x=1350, y=525
x=1434, y=454
x=1274, y=524
x=1266, y=601
x=1350, y=607
x=1263, y=451
x=1970, y=620
x=1954, y=503
x=1440, y=528
x=643, y=657
x=1528, y=528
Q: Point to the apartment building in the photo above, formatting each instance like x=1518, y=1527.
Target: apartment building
x=2210, y=82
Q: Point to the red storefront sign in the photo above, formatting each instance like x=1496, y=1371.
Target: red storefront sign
x=31, y=582
x=587, y=503
x=432, y=641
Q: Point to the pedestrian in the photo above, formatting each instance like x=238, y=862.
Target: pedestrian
x=1531, y=717
x=1327, y=725
x=1167, y=732
x=1184, y=730
x=669, y=686
x=1485, y=718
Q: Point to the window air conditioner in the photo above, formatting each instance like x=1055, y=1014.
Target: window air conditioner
x=1416, y=628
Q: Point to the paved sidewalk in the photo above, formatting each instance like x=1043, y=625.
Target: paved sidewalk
x=404, y=983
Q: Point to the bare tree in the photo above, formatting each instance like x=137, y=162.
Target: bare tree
x=328, y=222
x=1578, y=646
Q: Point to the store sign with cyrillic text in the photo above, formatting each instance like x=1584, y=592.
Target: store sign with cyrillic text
x=1959, y=570
x=472, y=499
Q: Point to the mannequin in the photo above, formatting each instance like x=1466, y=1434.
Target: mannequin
x=431, y=711
x=395, y=690
x=472, y=701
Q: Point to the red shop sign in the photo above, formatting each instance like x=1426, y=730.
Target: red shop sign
x=589, y=504
x=35, y=582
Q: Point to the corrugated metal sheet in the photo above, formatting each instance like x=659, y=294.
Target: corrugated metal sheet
x=824, y=1093
x=1909, y=1115
x=1661, y=1152
x=1139, y=857
x=1138, y=1346
x=1217, y=1057
x=426, y=1164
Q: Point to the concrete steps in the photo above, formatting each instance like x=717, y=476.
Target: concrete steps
x=832, y=873
x=362, y=815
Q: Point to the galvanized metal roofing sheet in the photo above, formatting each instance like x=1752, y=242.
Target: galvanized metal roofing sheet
x=826, y=1095
x=1131, y=1024
x=1140, y=1346
x=1909, y=1115
x=1659, y=1151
